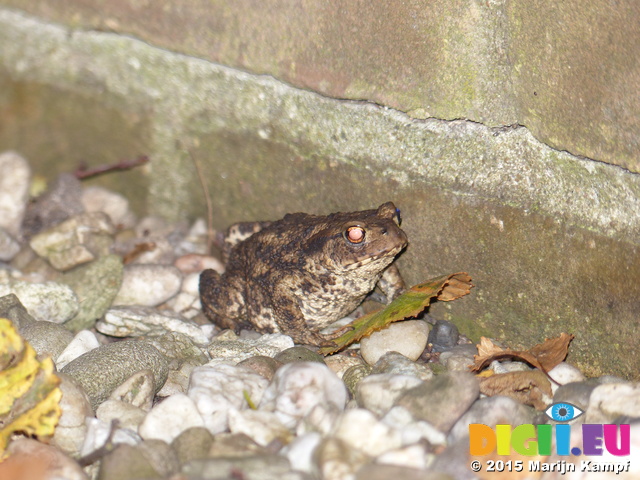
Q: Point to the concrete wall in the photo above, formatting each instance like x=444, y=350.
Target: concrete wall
x=551, y=238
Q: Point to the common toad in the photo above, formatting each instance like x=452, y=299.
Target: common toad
x=299, y=274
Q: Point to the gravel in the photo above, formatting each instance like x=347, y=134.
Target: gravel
x=124, y=327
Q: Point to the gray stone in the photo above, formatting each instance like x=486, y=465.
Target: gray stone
x=398, y=364
x=453, y=462
x=261, y=364
x=443, y=335
x=178, y=348
x=12, y=309
x=128, y=462
x=58, y=203
x=492, y=411
x=137, y=321
x=378, y=392
x=193, y=444
x=235, y=445
x=77, y=240
x=15, y=179
x=148, y=285
x=9, y=246
x=234, y=351
x=442, y=400
x=386, y=472
x=103, y=369
x=298, y=354
x=95, y=285
x=576, y=393
x=354, y=375
x=47, y=339
x=257, y=467
x=458, y=358
x=161, y=455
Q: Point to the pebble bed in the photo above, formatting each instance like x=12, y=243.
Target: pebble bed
x=152, y=390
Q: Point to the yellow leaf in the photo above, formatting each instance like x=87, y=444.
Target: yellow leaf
x=29, y=393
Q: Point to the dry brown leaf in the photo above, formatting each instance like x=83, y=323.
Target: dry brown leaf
x=544, y=356
x=528, y=387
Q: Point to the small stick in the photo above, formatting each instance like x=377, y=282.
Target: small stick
x=83, y=171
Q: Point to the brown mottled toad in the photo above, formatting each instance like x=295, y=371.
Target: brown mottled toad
x=299, y=274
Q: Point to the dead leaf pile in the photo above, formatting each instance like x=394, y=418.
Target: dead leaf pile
x=531, y=387
x=29, y=393
x=410, y=304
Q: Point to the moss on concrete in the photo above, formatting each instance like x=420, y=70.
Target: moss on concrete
x=550, y=239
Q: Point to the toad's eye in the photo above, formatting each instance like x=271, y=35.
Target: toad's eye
x=354, y=234
x=398, y=217
x=563, y=412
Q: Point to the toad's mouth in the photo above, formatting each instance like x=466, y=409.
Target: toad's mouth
x=386, y=254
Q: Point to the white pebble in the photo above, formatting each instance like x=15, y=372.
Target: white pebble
x=170, y=418
x=47, y=302
x=137, y=390
x=75, y=405
x=137, y=321
x=98, y=432
x=15, y=177
x=300, y=452
x=148, y=285
x=217, y=389
x=378, y=392
x=83, y=342
x=612, y=400
x=98, y=199
x=262, y=427
x=128, y=416
x=298, y=387
x=564, y=373
x=412, y=456
x=408, y=338
x=362, y=430
x=413, y=431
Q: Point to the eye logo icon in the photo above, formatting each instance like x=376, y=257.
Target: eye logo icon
x=563, y=412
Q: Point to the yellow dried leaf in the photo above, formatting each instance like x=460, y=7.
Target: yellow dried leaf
x=29, y=393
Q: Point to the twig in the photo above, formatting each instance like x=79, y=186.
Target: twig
x=207, y=199
x=83, y=171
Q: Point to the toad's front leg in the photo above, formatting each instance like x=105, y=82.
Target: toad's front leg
x=391, y=283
